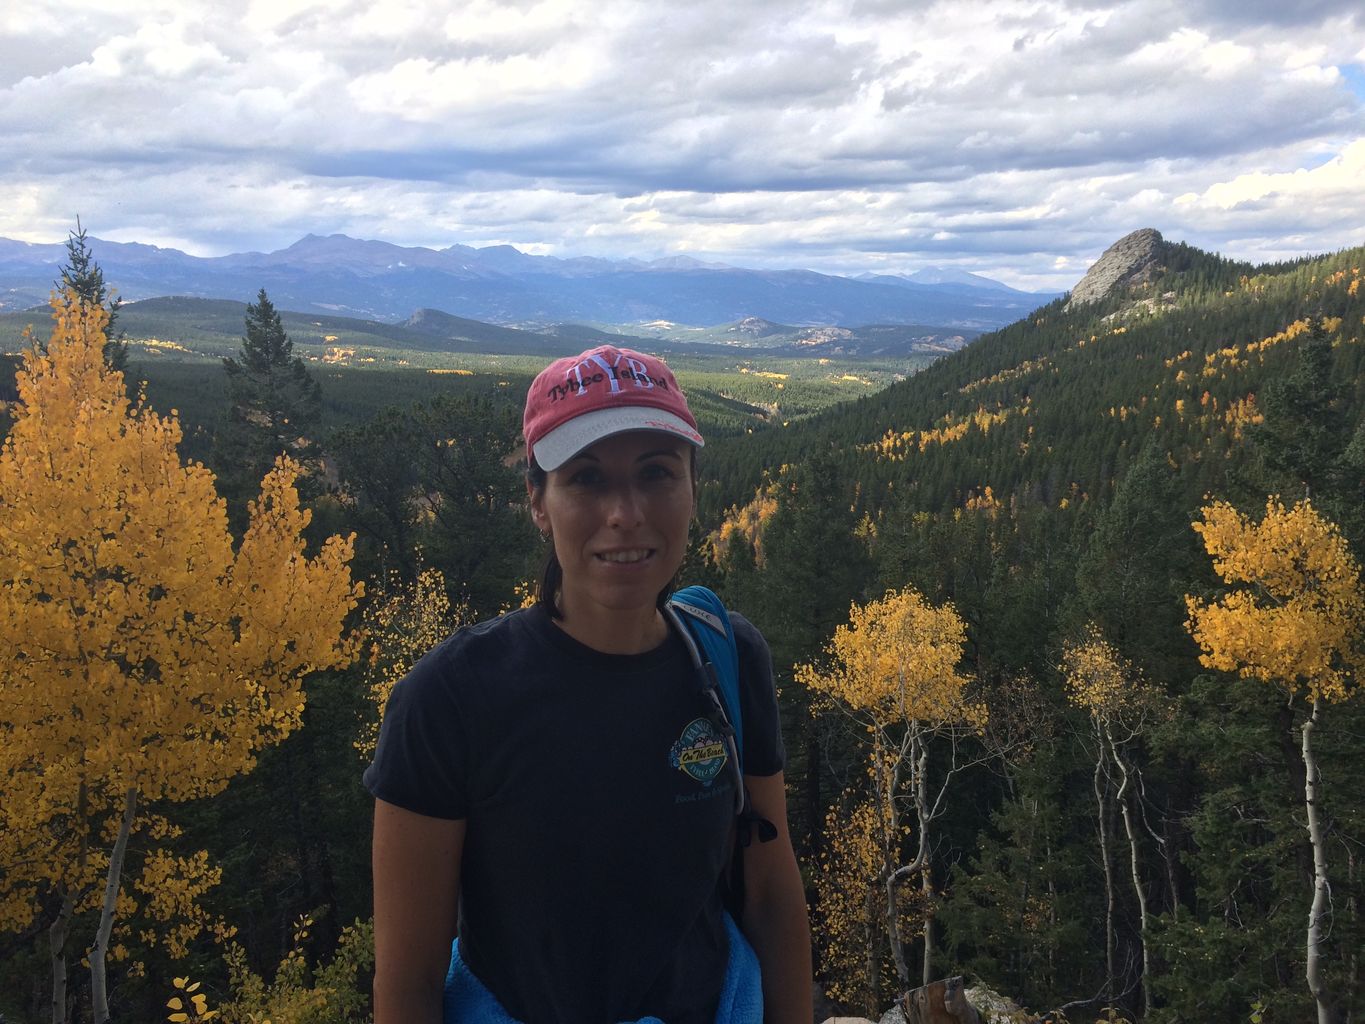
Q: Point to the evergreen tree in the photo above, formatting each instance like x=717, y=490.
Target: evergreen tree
x=1305, y=432
x=1133, y=574
x=82, y=275
x=815, y=565
x=436, y=484
x=274, y=408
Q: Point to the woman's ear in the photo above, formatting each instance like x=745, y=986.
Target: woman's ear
x=535, y=499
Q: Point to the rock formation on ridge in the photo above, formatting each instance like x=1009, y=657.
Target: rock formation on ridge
x=1130, y=260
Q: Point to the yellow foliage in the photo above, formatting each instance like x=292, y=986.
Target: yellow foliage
x=141, y=652
x=985, y=502
x=894, y=446
x=746, y=521
x=1098, y=679
x=172, y=887
x=401, y=624
x=330, y=993
x=1296, y=612
x=1241, y=414
x=850, y=927
x=897, y=659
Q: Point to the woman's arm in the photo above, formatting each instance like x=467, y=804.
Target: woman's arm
x=416, y=898
x=776, y=922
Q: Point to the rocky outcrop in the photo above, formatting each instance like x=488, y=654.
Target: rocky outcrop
x=1131, y=260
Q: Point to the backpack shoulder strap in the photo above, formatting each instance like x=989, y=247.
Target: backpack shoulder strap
x=708, y=624
x=701, y=620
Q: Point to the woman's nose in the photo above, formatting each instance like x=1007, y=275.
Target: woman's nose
x=624, y=509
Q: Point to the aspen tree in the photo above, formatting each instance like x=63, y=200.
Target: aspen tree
x=1110, y=691
x=893, y=669
x=146, y=661
x=402, y=622
x=1293, y=619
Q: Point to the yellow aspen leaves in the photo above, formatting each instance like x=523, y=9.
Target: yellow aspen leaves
x=142, y=652
x=198, y=1009
x=1295, y=609
x=897, y=658
x=1097, y=677
x=401, y=624
x=852, y=918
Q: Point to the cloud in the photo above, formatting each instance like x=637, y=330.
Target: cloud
x=1009, y=137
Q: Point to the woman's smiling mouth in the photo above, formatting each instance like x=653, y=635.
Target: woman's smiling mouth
x=625, y=557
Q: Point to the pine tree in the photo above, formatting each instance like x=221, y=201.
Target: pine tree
x=274, y=408
x=82, y=275
x=1304, y=432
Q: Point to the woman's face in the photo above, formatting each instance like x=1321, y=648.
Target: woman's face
x=618, y=514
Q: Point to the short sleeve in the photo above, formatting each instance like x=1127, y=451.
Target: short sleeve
x=764, y=753
x=419, y=762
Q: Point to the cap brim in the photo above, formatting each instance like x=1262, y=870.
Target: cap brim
x=568, y=439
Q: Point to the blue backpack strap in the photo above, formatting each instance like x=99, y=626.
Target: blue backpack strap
x=708, y=624
x=704, y=626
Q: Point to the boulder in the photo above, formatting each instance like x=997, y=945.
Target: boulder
x=995, y=1008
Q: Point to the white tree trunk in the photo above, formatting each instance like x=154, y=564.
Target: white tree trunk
x=924, y=815
x=99, y=995
x=1100, y=782
x=56, y=941
x=1322, y=891
x=927, y=887
x=1131, y=830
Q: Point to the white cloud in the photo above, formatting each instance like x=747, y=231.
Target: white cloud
x=1001, y=135
x=1339, y=179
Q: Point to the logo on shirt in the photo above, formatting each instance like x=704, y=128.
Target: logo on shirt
x=700, y=751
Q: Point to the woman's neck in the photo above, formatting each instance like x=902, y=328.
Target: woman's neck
x=614, y=631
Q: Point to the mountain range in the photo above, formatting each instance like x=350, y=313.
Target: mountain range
x=501, y=285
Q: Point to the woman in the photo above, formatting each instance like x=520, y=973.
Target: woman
x=527, y=781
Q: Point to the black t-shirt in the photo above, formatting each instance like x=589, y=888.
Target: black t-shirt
x=594, y=845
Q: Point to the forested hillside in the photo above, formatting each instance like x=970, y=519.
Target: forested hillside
x=1067, y=628
x=1113, y=812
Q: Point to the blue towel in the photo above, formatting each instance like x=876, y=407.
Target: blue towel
x=467, y=1001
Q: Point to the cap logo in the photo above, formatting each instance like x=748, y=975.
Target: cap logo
x=599, y=371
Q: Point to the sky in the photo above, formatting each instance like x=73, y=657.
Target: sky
x=1012, y=139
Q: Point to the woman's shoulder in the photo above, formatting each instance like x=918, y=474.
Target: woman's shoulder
x=483, y=643
x=747, y=635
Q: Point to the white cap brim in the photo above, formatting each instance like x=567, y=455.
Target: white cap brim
x=568, y=439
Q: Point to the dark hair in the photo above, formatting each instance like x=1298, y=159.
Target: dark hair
x=552, y=573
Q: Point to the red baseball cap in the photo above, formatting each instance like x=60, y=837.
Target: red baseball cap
x=576, y=401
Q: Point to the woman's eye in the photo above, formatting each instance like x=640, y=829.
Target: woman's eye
x=657, y=471
x=586, y=477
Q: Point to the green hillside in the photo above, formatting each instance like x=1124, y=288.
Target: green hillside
x=1042, y=483
x=1067, y=397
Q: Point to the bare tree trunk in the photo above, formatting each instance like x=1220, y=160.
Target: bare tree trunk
x=1168, y=855
x=99, y=996
x=893, y=924
x=874, y=953
x=1100, y=782
x=1322, y=889
x=56, y=941
x=1128, y=827
x=1353, y=906
x=61, y=928
x=927, y=888
x=922, y=813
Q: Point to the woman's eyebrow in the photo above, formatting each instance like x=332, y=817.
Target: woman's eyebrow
x=674, y=453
